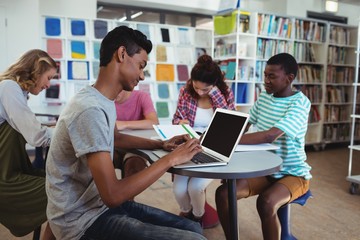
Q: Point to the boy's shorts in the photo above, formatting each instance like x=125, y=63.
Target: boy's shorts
x=297, y=186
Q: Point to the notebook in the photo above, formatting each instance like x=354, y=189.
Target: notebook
x=220, y=139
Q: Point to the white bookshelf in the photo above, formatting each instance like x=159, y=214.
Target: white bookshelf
x=75, y=44
x=311, y=42
x=354, y=178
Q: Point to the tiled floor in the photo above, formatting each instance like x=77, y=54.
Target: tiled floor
x=333, y=213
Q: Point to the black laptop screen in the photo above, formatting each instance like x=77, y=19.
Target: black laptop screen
x=222, y=132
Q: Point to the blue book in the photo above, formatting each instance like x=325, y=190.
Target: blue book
x=230, y=71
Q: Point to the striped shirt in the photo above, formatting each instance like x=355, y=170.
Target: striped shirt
x=289, y=114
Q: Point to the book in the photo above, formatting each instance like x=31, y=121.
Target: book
x=182, y=72
x=54, y=48
x=165, y=35
x=78, y=70
x=230, y=70
x=163, y=91
x=78, y=28
x=78, y=50
x=100, y=29
x=162, y=109
x=52, y=26
x=167, y=131
x=165, y=72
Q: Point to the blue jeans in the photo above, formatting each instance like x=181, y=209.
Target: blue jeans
x=132, y=220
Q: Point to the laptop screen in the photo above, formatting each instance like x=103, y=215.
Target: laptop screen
x=223, y=131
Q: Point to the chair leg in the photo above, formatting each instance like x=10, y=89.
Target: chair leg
x=37, y=232
x=284, y=217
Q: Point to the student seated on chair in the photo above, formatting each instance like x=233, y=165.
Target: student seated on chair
x=281, y=117
x=22, y=187
x=205, y=91
x=134, y=110
x=86, y=200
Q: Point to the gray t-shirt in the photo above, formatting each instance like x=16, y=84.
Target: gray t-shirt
x=86, y=125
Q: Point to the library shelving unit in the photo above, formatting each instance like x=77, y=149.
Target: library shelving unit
x=235, y=51
x=75, y=43
x=339, y=83
x=355, y=123
x=264, y=35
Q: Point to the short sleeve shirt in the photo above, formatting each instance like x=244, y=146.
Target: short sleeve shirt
x=289, y=114
x=136, y=107
x=86, y=125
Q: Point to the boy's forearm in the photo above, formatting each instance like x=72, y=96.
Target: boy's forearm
x=126, y=141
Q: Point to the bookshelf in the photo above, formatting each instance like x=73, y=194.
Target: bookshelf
x=354, y=179
x=75, y=43
x=325, y=54
x=339, y=96
x=235, y=52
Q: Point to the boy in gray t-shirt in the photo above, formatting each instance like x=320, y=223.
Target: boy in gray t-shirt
x=85, y=199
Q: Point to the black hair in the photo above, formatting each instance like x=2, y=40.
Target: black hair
x=132, y=40
x=286, y=61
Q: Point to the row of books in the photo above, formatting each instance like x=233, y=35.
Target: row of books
x=336, y=113
x=340, y=35
x=309, y=74
x=314, y=115
x=310, y=31
x=336, y=55
x=304, y=52
x=336, y=132
x=266, y=48
x=223, y=49
x=340, y=74
x=245, y=72
x=271, y=25
x=314, y=93
x=338, y=94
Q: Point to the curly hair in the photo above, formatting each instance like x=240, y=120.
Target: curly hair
x=28, y=68
x=207, y=71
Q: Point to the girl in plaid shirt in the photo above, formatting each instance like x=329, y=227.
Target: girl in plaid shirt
x=205, y=91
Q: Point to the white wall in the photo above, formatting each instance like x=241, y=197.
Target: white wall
x=22, y=30
x=69, y=8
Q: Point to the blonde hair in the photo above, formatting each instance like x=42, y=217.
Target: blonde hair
x=28, y=68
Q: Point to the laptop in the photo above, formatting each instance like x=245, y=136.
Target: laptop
x=219, y=140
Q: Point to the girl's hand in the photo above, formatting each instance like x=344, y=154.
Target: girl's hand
x=184, y=121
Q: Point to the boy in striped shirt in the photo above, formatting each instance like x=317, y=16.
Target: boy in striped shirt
x=281, y=117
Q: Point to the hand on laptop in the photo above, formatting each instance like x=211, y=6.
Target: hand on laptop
x=175, y=141
x=185, y=151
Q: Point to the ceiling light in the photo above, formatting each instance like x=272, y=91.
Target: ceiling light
x=135, y=15
x=100, y=8
x=331, y=6
x=122, y=19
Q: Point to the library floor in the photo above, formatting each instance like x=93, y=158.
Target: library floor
x=333, y=213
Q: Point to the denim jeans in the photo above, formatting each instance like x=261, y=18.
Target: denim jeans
x=132, y=220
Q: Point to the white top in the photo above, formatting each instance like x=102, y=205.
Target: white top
x=15, y=111
x=202, y=118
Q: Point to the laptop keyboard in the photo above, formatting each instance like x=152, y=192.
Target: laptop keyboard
x=203, y=158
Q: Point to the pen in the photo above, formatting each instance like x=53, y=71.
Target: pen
x=182, y=117
x=162, y=134
x=187, y=130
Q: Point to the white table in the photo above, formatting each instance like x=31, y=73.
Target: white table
x=242, y=165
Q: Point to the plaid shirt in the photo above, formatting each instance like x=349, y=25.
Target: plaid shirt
x=187, y=105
